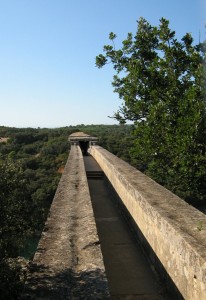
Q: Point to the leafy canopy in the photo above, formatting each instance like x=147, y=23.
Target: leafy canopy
x=162, y=84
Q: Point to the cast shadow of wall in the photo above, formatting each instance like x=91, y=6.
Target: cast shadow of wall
x=43, y=284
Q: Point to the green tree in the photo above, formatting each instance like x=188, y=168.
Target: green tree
x=15, y=226
x=15, y=207
x=162, y=84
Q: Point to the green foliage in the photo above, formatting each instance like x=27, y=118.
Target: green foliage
x=12, y=277
x=162, y=83
x=28, y=180
x=15, y=225
x=15, y=206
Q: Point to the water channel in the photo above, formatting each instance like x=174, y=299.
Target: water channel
x=130, y=274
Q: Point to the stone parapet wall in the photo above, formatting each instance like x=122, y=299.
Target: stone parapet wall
x=175, y=230
x=68, y=263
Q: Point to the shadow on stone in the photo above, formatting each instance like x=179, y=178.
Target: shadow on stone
x=44, y=283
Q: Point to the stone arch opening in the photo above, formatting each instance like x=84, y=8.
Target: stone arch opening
x=84, y=145
x=83, y=140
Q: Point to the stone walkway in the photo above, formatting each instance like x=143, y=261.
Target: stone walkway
x=68, y=263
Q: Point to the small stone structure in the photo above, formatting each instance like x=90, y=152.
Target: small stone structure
x=175, y=231
x=83, y=140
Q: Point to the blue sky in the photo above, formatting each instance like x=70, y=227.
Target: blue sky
x=48, y=76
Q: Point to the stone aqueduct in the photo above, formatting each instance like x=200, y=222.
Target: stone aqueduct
x=68, y=263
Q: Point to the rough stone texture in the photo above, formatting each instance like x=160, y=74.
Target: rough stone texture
x=68, y=263
x=79, y=134
x=175, y=230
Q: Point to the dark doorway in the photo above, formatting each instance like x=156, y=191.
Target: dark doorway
x=84, y=145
